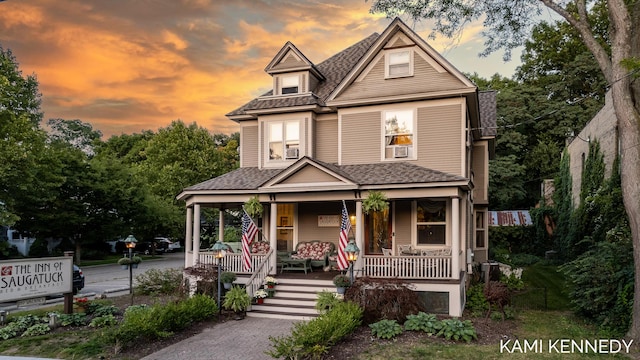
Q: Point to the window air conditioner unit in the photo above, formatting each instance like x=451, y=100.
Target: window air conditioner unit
x=292, y=153
x=401, y=152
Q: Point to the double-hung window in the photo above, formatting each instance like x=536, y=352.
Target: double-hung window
x=290, y=84
x=431, y=222
x=399, y=134
x=284, y=140
x=399, y=64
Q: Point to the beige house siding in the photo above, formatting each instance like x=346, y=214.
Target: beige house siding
x=289, y=61
x=425, y=79
x=308, y=220
x=603, y=128
x=480, y=173
x=402, y=224
x=309, y=174
x=440, y=137
x=360, y=141
x=326, y=139
x=249, y=146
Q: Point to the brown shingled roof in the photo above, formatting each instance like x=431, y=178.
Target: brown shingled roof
x=334, y=69
x=487, y=101
x=251, y=178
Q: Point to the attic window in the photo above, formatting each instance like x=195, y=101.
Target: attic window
x=290, y=84
x=398, y=64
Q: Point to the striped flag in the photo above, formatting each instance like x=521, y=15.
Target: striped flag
x=345, y=227
x=249, y=230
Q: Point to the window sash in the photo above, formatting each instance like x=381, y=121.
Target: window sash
x=290, y=84
x=283, y=135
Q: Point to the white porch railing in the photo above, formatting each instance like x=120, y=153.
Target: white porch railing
x=231, y=261
x=408, y=267
x=260, y=272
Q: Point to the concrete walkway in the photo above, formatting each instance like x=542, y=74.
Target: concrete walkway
x=245, y=339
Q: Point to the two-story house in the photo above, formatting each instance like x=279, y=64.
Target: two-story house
x=390, y=114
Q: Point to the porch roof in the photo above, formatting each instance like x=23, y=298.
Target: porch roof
x=252, y=178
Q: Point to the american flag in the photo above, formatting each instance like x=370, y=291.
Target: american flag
x=345, y=227
x=249, y=230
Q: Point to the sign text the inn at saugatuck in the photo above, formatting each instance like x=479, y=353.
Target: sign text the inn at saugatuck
x=27, y=278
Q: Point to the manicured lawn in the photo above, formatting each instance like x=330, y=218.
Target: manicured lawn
x=548, y=276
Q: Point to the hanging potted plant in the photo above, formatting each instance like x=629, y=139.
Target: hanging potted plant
x=376, y=204
x=253, y=207
x=342, y=282
x=125, y=262
x=227, y=278
x=237, y=300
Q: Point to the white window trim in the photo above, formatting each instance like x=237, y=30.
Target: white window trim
x=414, y=138
x=268, y=162
x=415, y=223
x=387, y=56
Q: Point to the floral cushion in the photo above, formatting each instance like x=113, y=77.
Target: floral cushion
x=312, y=250
x=260, y=247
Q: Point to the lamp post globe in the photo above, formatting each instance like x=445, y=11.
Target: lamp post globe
x=352, y=252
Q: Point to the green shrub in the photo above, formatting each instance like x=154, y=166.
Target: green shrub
x=155, y=282
x=523, y=260
x=99, y=310
x=77, y=319
x=512, y=281
x=19, y=325
x=37, y=329
x=326, y=301
x=458, y=330
x=312, y=339
x=427, y=323
x=386, y=329
x=477, y=303
x=102, y=321
x=391, y=299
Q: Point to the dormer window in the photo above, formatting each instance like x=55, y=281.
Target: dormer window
x=290, y=84
x=399, y=63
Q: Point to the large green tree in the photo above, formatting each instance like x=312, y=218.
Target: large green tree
x=507, y=25
x=22, y=140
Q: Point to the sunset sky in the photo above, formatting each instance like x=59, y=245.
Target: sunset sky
x=130, y=65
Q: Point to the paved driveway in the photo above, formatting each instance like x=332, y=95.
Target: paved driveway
x=232, y=340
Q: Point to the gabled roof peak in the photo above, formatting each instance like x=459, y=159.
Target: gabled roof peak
x=301, y=62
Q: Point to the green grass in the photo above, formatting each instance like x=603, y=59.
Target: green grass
x=540, y=276
x=533, y=325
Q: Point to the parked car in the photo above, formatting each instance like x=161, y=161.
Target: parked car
x=171, y=246
x=147, y=248
x=78, y=279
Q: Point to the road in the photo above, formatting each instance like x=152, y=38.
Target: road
x=111, y=279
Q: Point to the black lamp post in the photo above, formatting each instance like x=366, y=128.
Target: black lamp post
x=130, y=242
x=352, y=252
x=218, y=251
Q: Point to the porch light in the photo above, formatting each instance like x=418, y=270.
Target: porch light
x=130, y=242
x=352, y=252
x=218, y=249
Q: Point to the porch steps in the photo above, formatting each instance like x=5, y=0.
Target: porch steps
x=294, y=299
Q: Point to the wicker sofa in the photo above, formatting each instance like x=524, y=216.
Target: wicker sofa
x=317, y=251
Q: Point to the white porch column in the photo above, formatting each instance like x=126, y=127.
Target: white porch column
x=273, y=236
x=455, y=237
x=221, y=224
x=196, y=233
x=359, y=236
x=188, y=239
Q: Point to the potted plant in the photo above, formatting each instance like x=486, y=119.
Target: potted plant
x=227, y=278
x=342, y=282
x=125, y=262
x=377, y=204
x=253, y=207
x=237, y=300
x=259, y=296
x=270, y=281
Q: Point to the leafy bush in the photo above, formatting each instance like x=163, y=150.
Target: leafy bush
x=76, y=319
x=37, y=329
x=512, y=281
x=386, y=329
x=312, y=339
x=523, y=260
x=160, y=321
x=326, y=301
x=19, y=325
x=102, y=310
x=391, y=299
x=156, y=281
x=458, y=330
x=477, y=303
x=427, y=323
x=102, y=321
